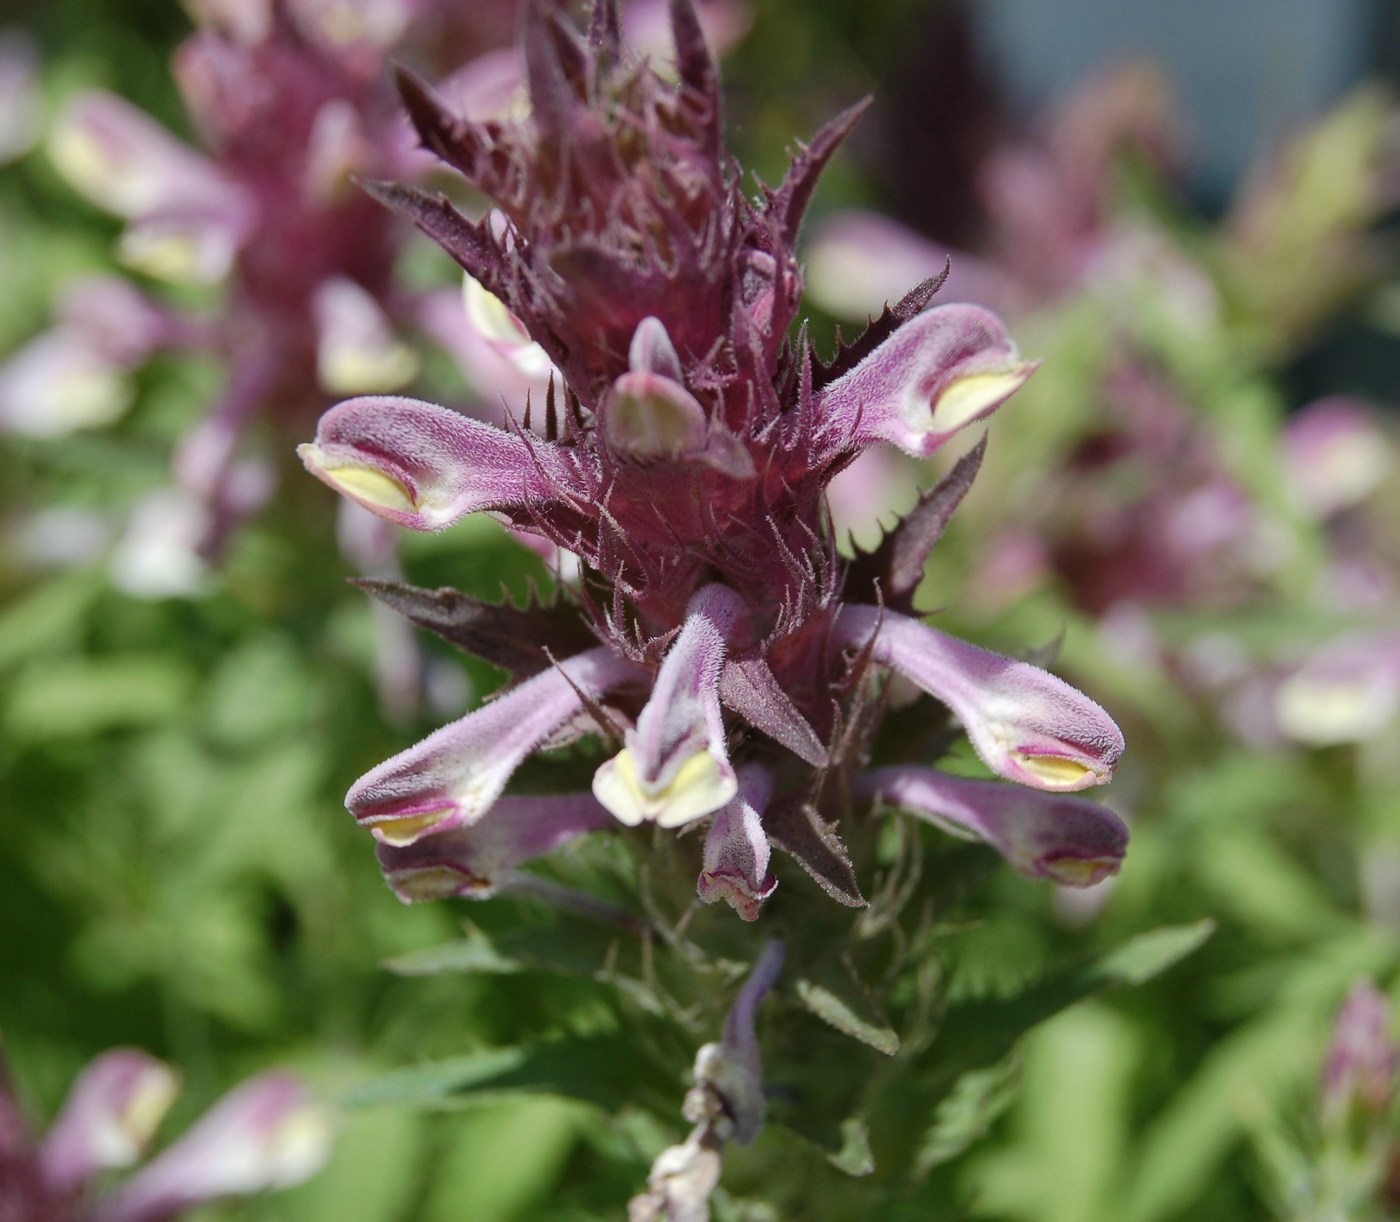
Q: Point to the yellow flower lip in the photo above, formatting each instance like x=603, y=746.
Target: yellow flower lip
x=346, y=369
x=699, y=787
x=370, y=486
x=142, y=1113
x=435, y=883
x=401, y=832
x=1081, y=871
x=966, y=398
x=1058, y=773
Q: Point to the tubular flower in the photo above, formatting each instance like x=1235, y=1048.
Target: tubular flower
x=265, y=1134
x=1027, y=725
x=674, y=768
x=1074, y=842
x=452, y=777
x=730, y=658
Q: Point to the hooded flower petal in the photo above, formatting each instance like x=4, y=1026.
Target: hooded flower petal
x=473, y=861
x=452, y=777
x=1072, y=841
x=356, y=349
x=737, y=849
x=675, y=766
x=1026, y=724
x=648, y=413
x=1346, y=691
x=58, y=382
x=493, y=322
x=126, y=162
x=109, y=1117
x=425, y=467
x=946, y=368
x=267, y=1133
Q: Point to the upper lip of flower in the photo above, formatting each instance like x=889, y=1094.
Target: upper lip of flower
x=452, y=777
x=1026, y=724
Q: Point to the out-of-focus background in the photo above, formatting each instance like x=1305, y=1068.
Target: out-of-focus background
x=1186, y=210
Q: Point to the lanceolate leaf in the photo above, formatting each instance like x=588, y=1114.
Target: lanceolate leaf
x=602, y=1070
x=913, y=303
x=835, y=997
x=802, y=833
x=506, y=636
x=979, y=1033
x=897, y=564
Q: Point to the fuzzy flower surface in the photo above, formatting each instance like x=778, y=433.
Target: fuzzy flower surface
x=730, y=661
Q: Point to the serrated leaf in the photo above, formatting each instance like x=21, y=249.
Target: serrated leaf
x=436, y=1082
x=854, y=1157
x=513, y=638
x=968, y=1112
x=75, y=697
x=979, y=1033
x=895, y=568
x=470, y=956
x=911, y=305
x=802, y=833
x=846, y=1147
x=1150, y=954
x=838, y=999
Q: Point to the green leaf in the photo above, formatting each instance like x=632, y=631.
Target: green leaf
x=854, y=1156
x=605, y=1070
x=567, y=948
x=48, y=618
x=968, y=1112
x=1148, y=955
x=837, y=998
x=979, y=1033
x=77, y=697
x=474, y=954
x=846, y=1146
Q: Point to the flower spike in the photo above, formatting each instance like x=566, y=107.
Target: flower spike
x=1069, y=840
x=1026, y=724
x=452, y=777
x=674, y=767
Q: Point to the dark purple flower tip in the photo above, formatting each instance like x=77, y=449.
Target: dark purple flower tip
x=473, y=861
